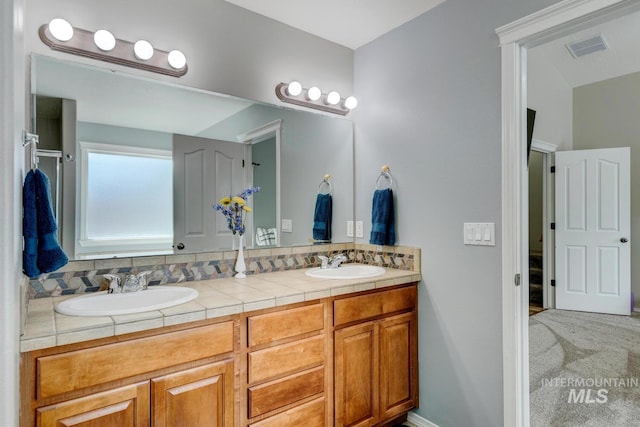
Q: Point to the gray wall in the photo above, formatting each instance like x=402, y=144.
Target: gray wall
x=605, y=115
x=429, y=107
x=12, y=120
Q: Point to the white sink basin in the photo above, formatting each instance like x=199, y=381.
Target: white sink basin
x=347, y=271
x=104, y=304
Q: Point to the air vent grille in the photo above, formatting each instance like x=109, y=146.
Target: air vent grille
x=586, y=47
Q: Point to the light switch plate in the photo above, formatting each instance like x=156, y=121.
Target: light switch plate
x=349, y=228
x=359, y=229
x=479, y=233
x=287, y=226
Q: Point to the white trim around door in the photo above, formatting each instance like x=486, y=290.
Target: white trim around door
x=515, y=38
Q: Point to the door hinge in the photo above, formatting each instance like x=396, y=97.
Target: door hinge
x=516, y=279
x=553, y=169
x=553, y=283
x=553, y=225
x=242, y=162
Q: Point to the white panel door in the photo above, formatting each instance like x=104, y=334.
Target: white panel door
x=593, y=270
x=204, y=171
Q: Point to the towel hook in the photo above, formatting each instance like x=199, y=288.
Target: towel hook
x=385, y=176
x=325, y=181
x=32, y=140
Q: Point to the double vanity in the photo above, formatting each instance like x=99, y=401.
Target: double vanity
x=310, y=347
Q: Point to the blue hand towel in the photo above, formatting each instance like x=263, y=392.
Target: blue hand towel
x=322, y=217
x=382, y=220
x=30, y=227
x=42, y=253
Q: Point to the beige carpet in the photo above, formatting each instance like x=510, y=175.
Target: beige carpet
x=584, y=369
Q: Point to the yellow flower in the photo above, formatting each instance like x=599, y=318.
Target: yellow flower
x=225, y=201
x=238, y=200
x=247, y=208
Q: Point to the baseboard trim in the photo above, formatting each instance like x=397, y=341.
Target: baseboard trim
x=418, y=421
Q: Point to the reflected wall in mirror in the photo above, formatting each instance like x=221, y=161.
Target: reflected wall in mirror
x=143, y=161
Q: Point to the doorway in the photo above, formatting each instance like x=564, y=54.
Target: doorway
x=515, y=39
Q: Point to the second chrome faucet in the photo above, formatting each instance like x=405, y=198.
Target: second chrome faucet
x=333, y=262
x=132, y=282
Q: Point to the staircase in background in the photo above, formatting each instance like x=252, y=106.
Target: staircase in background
x=535, y=278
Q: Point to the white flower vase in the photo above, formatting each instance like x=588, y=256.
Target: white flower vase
x=240, y=266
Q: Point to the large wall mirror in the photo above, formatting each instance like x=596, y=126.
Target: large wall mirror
x=135, y=164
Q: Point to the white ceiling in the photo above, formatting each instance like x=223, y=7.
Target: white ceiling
x=622, y=57
x=351, y=23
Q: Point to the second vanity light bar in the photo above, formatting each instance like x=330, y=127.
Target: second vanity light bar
x=102, y=45
x=313, y=97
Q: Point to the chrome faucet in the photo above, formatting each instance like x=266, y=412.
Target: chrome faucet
x=114, y=283
x=135, y=282
x=336, y=260
x=132, y=282
x=324, y=261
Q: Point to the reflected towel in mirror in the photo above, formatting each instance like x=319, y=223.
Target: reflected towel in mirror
x=322, y=217
x=266, y=236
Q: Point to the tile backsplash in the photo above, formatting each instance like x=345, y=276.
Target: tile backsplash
x=86, y=276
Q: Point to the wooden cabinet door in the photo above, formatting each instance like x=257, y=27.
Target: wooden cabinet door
x=123, y=407
x=398, y=365
x=197, y=397
x=356, y=375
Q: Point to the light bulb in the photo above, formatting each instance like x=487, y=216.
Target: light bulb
x=294, y=88
x=177, y=59
x=314, y=93
x=143, y=50
x=333, y=97
x=104, y=40
x=61, y=29
x=351, y=102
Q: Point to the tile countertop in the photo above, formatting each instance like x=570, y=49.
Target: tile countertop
x=46, y=328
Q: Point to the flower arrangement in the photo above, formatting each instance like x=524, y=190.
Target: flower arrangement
x=234, y=209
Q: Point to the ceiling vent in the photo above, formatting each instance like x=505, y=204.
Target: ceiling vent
x=586, y=47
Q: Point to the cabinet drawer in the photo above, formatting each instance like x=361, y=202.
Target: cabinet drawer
x=277, y=394
x=368, y=306
x=270, y=327
x=310, y=414
x=284, y=359
x=88, y=367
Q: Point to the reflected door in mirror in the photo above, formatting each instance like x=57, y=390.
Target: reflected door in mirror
x=205, y=170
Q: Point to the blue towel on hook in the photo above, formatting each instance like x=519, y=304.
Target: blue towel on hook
x=322, y=217
x=41, y=253
x=382, y=219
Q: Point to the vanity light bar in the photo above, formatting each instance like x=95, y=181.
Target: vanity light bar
x=331, y=102
x=86, y=43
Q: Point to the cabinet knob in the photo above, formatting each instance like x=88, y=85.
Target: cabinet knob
x=624, y=240
x=180, y=246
